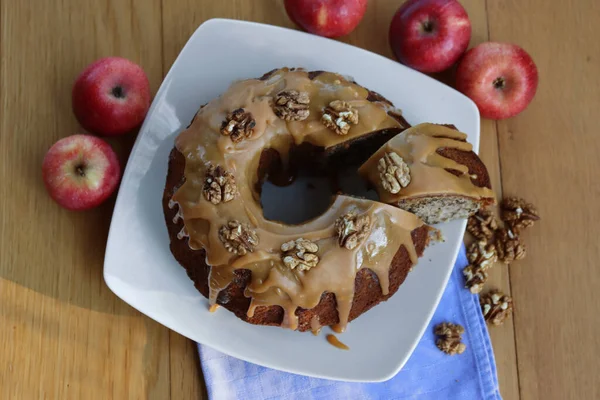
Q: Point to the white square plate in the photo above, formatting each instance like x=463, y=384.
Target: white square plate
x=140, y=269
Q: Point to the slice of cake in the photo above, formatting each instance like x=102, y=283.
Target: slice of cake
x=430, y=170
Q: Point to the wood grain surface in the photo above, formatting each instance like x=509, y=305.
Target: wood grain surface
x=64, y=335
x=549, y=155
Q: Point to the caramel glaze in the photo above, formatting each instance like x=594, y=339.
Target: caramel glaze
x=271, y=282
x=334, y=341
x=429, y=171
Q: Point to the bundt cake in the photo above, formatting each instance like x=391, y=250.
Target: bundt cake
x=326, y=271
x=430, y=170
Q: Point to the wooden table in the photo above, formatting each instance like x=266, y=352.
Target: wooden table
x=64, y=335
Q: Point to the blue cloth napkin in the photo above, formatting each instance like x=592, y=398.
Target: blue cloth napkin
x=429, y=374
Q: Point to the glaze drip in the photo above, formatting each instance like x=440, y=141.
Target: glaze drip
x=334, y=341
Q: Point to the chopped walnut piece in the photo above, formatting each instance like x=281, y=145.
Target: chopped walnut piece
x=450, y=336
x=291, y=105
x=482, y=225
x=338, y=116
x=239, y=125
x=352, y=229
x=518, y=214
x=482, y=253
x=508, y=246
x=300, y=253
x=496, y=307
x=238, y=238
x=219, y=185
x=475, y=277
x=393, y=172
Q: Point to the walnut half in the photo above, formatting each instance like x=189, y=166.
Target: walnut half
x=475, y=277
x=300, y=253
x=509, y=246
x=496, y=307
x=352, y=229
x=292, y=105
x=238, y=125
x=238, y=238
x=482, y=253
x=518, y=214
x=449, y=338
x=219, y=185
x=448, y=329
x=339, y=116
x=393, y=172
x=482, y=225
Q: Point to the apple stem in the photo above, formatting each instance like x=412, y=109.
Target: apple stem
x=499, y=83
x=118, y=92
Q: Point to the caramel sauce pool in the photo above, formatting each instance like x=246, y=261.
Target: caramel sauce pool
x=334, y=341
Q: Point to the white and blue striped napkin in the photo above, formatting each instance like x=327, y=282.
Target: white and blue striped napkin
x=429, y=374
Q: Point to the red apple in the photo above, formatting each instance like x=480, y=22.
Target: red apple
x=329, y=18
x=500, y=78
x=80, y=171
x=111, y=96
x=430, y=35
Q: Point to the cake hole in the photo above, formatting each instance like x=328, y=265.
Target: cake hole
x=295, y=188
x=350, y=183
x=309, y=196
x=305, y=198
x=305, y=186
